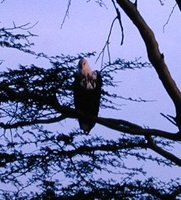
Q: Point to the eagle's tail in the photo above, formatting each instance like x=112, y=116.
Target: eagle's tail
x=86, y=126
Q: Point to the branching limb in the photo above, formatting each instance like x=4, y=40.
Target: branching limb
x=152, y=145
x=26, y=26
x=118, y=17
x=169, y=118
x=120, y=21
x=107, y=44
x=134, y=129
x=115, y=124
x=155, y=56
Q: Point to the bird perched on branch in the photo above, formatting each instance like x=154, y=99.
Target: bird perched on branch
x=87, y=94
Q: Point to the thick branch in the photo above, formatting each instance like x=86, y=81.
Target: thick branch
x=115, y=124
x=152, y=145
x=179, y=4
x=134, y=129
x=154, y=55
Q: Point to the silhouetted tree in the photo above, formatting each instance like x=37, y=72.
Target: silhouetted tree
x=37, y=162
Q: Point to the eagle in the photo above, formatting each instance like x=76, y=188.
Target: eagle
x=87, y=93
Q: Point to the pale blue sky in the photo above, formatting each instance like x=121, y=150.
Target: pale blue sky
x=86, y=29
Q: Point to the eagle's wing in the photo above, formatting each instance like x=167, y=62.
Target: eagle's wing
x=87, y=100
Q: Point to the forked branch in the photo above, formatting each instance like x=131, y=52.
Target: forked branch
x=154, y=55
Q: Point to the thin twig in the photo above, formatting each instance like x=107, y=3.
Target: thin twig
x=120, y=22
x=29, y=123
x=118, y=17
x=161, y=2
x=169, y=118
x=169, y=17
x=66, y=13
x=107, y=41
x=1, y=61
x=22, y=27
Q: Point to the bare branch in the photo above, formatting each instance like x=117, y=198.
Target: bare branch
x=171, y=13
x=1, y=61
x=25, y=26
x=118, y=17
x=134, y=129
x=164, y=153
x=169, y=118
x=107, y=44
x=179, y=4
x=66, y=13
x=120, y=21
x=115, y=124
x=154, y=55
x=161, y=2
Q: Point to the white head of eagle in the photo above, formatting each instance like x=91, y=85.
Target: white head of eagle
x=87, y=94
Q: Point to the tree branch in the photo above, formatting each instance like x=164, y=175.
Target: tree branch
x=115, y=124
x=33, y=122
x=134, y=129
x=152, y=145
x=66, y=13
x=169, y=17
x=154, y=55
x=178, y=3
x=118, y=17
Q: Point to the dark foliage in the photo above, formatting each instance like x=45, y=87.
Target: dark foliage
x=39, y=163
